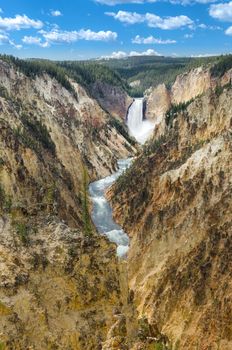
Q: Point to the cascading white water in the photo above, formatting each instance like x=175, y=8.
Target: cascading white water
x=101, y=210
x=139, y=128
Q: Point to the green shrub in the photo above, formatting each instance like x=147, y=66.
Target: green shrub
x=4, y=92
x=2, y=346
x=23, y=231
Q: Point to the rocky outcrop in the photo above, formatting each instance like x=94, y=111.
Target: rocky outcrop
x=58, y=291
x=175, y=203
x=191, y=84
x=158, y=102
x=186, y=87
x=112, y=99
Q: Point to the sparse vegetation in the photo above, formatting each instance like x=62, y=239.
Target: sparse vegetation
x=153, y=145
x=85, y=204
x=4, y=92
x=5, y=200
x=2, y=346
x=39, y=132
x=172, y=113
x=33, y=134
x=22, y=230
x=32, y=68
x=223, y=64
x=121, y=129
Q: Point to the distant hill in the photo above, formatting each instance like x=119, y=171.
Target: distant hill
x=150, y=71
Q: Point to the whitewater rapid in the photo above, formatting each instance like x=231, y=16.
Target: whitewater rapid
x=139, y=127
x=102, y=213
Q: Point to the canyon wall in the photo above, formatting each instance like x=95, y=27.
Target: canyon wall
x=59, y=280
x=175, y=203
x=112, y=98
x=186, y=87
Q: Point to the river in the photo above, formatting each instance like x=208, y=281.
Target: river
x=101, y=214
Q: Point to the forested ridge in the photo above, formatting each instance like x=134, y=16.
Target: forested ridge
x=146, y=71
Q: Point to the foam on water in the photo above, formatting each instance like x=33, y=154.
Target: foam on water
x=102, y=215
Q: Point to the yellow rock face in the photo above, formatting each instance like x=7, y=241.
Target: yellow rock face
x=177, y=209
x=59, y=288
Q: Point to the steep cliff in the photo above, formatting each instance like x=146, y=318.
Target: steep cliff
x=59, y=280
x=175, y=203
x=186, y=87
x=112, y=98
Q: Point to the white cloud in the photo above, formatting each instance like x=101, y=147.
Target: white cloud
x=209, y=27
x=56, y=13
x=151, y=19
x=59, y=36
x=123, y=54
x=222, y=11
x=175, y=2
x=127, y=17
x=117, y=2
x=4, y=39
x=19, y=22
x=229, y=31
x=191, y=2
x=151, y=40
x=34, y=40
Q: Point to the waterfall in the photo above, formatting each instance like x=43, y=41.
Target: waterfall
x=139, y=128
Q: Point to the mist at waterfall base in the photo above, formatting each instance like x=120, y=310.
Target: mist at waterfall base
x=139, y=128
x=102, y=213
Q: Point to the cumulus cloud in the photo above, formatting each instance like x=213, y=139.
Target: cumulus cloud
x=19, y=22
x=151, y=19
x=222, y=11
x=175, y=2
x=56, y=13
x=151, y=40
x=123, y=54
x=34, y=40
x=59, y=36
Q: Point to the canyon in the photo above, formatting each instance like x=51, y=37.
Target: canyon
x=151, y=270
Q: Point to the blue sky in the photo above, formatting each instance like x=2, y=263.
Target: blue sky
x=80, y=29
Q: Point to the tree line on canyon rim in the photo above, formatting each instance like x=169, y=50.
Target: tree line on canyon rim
x=149, y=71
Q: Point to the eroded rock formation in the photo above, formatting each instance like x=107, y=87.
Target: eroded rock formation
x=175, y=203
x=59, y=280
